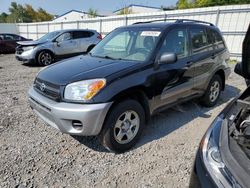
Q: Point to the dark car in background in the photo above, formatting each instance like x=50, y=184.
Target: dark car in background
x=57, y=45
x=8, y=42
x=133, y=73
x=223, y=158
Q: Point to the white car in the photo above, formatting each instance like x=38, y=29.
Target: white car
x=57, y=45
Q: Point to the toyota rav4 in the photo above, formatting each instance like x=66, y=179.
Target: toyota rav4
x=134, y=72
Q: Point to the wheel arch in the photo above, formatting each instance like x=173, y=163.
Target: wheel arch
x=221, y=73
x=136, y=93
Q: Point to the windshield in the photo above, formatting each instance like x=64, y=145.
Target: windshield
x=133, y=44
x=48, y=36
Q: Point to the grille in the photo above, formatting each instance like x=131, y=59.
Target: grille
x=19, y=50
x=47, y=89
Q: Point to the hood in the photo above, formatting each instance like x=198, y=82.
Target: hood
x=82, y=68
x=30, y=43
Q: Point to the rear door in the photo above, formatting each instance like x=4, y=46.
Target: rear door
x=83, y=40
x=203, y=56
x=174, y=82
x=65, y=44
x=10, y=42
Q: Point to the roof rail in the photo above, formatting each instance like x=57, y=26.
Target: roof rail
x=176, y=21
x=193, y=21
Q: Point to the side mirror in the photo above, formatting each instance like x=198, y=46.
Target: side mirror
x=168, y=58
x=57, y=43
x=238, y=69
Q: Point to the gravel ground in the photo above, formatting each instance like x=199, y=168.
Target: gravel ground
x=35, y=155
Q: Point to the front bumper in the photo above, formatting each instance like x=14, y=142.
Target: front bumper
x=61, y=115
x=28, y=56
x=200, y=176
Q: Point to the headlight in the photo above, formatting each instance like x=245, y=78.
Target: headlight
x=212, y=157
x=28, y=48
x=83, y=90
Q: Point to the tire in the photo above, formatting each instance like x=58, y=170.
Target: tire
x=213, y=92
x=119, y=133
x=45, y=58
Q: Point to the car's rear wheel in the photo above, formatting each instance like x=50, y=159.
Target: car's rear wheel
x=45, y=58
x=213, y=92
x=123, y=126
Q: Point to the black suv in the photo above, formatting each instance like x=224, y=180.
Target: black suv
x=134, y=72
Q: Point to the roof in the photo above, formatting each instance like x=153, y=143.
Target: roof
x=135, y=5
x=78, y=11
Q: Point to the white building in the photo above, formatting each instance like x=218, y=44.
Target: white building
x=73, y=15
x=138, y=9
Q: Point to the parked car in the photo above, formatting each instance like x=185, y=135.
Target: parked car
x=8, y=42
x=57, y=45
x=134, y=72
x=222, y=159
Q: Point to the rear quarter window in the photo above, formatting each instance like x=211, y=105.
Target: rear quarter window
x=218, y=40
x=82, y=34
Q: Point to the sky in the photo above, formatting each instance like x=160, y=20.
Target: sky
x=58, y=7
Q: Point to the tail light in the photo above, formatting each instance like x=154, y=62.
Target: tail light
x=99, y=36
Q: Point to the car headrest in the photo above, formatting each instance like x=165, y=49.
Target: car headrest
x=148, y=42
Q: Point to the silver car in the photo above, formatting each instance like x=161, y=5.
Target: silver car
x=57, y=45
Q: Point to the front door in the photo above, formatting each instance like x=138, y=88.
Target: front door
x=174, y=82
x=65, y=45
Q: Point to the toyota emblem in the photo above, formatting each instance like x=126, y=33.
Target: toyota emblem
x=42, y=87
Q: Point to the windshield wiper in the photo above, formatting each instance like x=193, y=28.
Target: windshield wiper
x=108, y=57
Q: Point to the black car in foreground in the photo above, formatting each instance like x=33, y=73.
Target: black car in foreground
x=134, y=72
x=223, y=158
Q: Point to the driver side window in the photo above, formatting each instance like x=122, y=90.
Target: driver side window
x=176, y=41
x=64, y=37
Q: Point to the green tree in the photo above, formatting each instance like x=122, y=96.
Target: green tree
x=19, y=13
x=92, y=13
x=42, y=15
x=3, y=17
x=182, y=4
x=125, y=11
x=31, y=13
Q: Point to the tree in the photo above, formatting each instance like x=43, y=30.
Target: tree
x=92, y=13
x=31, y=12
x=19, y=13
x=42, y=15
x=124, y=11
x=182, y=4
x=3, y=17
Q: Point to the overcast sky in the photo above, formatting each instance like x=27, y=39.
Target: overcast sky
x=61, y=6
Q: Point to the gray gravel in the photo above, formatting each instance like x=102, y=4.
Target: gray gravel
x=35, y=155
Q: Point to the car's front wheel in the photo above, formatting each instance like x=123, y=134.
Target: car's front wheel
x=123, y=126
x=213, y=92
x=45, y=58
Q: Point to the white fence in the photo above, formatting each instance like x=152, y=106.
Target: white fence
x=233, y=21
x=8, y=28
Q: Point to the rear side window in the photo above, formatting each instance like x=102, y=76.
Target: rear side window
x=9, y=37
x=199, y=40
x=82, y=34
x=218, y=41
